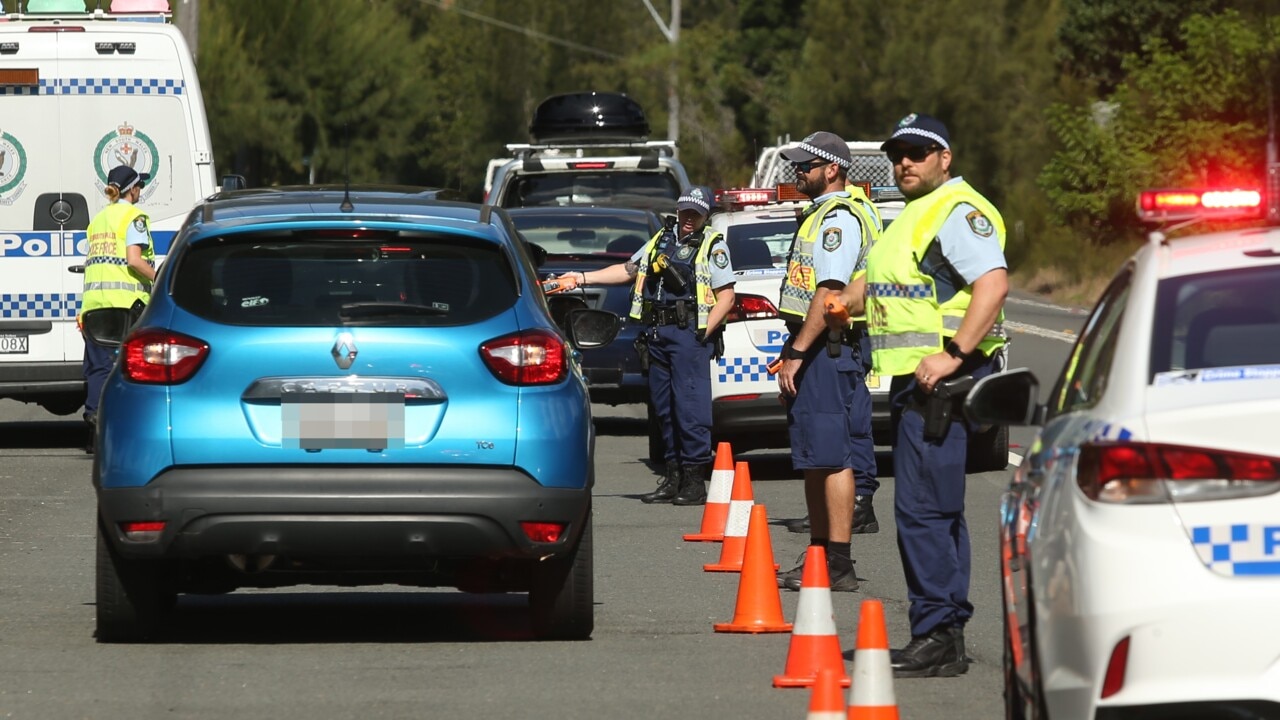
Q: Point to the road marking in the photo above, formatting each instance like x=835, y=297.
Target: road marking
x=1046, y=306
x=1065, y=336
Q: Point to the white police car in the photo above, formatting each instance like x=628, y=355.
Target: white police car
x=1141, y=535
x=758, y=228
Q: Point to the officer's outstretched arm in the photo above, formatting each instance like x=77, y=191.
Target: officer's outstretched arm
x=617, y=274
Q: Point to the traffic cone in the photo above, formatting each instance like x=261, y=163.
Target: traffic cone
x=815, y=646
x=735, y=526
x=759, y=608
x=716, y=512
x=872, y=695
x=826, y=702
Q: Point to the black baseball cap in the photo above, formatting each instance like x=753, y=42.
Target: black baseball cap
x=821, y=145
x=698, y=198
x=125, y=177
x=919, y=130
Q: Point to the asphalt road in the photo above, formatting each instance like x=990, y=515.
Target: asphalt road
x=391, y=652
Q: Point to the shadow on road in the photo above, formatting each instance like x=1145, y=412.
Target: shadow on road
x=344, y=617
x=44, y=435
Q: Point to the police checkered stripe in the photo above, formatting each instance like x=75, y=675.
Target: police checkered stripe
x=101, y=86
x=1238, y=549
x=696, y=200
x=38, y=305
x=740, y=369
x=105, y=260
x=819, y=152
x=952, y=323
x=739, y=516
x=905, y=340
x=921, y=133
x=899, y=290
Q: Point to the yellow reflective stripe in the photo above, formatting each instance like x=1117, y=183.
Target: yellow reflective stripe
x=904, y=340
x=132, y=287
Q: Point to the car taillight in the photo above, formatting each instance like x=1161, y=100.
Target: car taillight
x=751, y=307
x=162, y=357
x=532, y=357
x=1154, y=472
x=543, y=532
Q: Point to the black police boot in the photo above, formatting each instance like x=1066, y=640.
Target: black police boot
x=667, y=488
x=937, y=654
x=800, y=525
x=864, y=516
x=693, y=486
x=789, y=578
x=841, y=574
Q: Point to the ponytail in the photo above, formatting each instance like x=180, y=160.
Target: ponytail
x=113, y=193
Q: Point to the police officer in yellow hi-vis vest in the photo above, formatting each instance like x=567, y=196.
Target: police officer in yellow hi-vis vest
x=934, y=289
x=823, y=376
x=683, y=289
x=118, y=271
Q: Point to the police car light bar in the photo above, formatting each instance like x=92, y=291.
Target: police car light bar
x=1180, y=204
x=739, y=198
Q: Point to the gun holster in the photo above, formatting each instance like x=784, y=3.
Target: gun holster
x=945, y=401
x=641, y=345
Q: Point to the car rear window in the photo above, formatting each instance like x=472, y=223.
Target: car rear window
x=591, y=233
x=315, y=278
x=1218, y=320
x=648, y=190
x=760, y=245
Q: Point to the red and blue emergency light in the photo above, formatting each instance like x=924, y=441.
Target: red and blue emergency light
x=1214, y=204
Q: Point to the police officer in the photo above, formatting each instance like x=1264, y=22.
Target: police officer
x=934, y=288
x=119, y=270
x=822, y=378
x=683, y=289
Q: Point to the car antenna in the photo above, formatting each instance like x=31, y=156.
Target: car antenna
x=346, y=205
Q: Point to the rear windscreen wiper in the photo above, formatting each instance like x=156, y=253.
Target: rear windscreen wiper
x=387, y=309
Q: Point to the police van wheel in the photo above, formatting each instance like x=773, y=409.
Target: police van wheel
x=657, y=448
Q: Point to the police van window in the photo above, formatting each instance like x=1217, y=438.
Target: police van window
x=1217, y=320
x=775, y=237
x=309, y=280
x=657, y=191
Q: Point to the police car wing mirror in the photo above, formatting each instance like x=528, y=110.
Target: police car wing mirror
x=588, y=328
x=106, y=327
x=233, y=182
x=1007, y=398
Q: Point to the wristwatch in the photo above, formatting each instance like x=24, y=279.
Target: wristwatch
x=954, y=351
x=790, y=353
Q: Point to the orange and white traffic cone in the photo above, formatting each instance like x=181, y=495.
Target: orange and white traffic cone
x=815, y=646
x=826, y=702
x=759, y=608
x=872, y=695
x=735, y=527
x=716, y=512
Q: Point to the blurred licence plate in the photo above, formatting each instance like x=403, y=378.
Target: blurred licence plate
x=13, y=344
x=359, y=421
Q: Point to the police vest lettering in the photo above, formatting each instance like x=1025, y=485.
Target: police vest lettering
x=108, y=279
x=904, y=318
x=800, y=283
x=701, y=276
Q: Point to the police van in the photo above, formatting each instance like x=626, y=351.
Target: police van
x=84, y=90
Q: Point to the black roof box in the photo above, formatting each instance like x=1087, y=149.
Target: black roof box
x=589, y=117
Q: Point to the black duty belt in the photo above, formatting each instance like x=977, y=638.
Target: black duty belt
x=665, y=315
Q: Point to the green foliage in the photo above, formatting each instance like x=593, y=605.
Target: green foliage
x=1183, y=118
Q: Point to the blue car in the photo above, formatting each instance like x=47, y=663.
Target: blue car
x=358, y=387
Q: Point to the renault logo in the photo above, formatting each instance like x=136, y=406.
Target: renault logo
x=61, y=212
x=344, y=350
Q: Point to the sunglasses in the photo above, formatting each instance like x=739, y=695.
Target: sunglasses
x=914, y=153
x=804, y=168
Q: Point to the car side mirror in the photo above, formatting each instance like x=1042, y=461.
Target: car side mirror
x=106, y=327
x=1007, y=398
x=233, y=182
x=588, y=328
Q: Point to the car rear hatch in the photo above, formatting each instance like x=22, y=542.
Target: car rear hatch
x=324, y=348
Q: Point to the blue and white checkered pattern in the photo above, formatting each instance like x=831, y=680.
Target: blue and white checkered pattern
x=39, y=305
x=1239, y=549
x=101, y=86
x=744, y=369
x=897, y=290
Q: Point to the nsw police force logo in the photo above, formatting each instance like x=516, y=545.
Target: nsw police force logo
x=126, y=145
x=13, y=168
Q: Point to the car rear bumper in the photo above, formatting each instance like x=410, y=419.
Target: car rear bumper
x=344, y=511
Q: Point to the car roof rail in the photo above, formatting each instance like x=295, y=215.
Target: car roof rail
x=526, y=150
